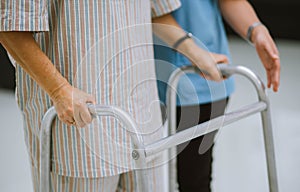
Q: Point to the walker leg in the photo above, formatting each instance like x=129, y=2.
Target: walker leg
x=269, y=150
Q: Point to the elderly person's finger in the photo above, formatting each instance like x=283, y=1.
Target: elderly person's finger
x=71, y=106
x=84, y=116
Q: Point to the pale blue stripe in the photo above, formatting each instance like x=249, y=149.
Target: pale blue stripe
x=32, y=12
x=87, y=183
x=67, y=185
x=120, y=63
x=64, y=145
x=60, y=146
x=91, y=131
x=65, y=139
x=87, y=44
x=41, y=9
x=33, y=123
x=83, y=152
x=114, y=98
x=88, y=76
x=79, y=74
x=78, y=35
x=60, y=42
x=85, y=35
x=14, y=13
x=36, y=110
x=34, y=150
x=22, y=14
x=95, y=184
x=106, y=87
x=69, y=44
x=7, y=12
x=72, y=129
x=59, y=180
x=75, y=185
x=102, y=150
x=98, y=92
x=41, y=16
x=127, y=57
x=20, y=81
x=109, y=83
x=74, y=150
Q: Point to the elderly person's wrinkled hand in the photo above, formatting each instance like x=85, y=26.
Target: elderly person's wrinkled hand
x=71, y=106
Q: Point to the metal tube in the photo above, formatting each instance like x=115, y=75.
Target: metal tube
x=140, y=152
x=227, y=71
x=45, y=137
x=266, y=123
x=96, y=110
x=269, y=149
x=203, y=128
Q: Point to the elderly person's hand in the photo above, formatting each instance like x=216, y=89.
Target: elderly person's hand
x=268, y=54
x=71, y=105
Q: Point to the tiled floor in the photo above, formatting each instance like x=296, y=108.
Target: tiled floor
x=239, y=161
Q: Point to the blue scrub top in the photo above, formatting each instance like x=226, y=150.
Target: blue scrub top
x=203, y=19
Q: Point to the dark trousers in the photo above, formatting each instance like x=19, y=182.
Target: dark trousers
x=194, y=158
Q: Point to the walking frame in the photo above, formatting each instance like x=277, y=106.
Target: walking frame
x=141, y=152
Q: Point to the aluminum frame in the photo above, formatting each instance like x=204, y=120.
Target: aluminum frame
x=141, y=151
x=262, y=106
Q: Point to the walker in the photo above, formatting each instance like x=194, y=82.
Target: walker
x=141, y=152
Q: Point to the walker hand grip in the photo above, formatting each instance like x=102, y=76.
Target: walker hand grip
x=227, y=71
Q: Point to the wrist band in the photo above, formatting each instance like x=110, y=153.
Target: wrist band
x=250, y=30
x=179, y=41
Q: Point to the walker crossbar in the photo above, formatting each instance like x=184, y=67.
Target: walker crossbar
x=262, y=106
x=203, y=128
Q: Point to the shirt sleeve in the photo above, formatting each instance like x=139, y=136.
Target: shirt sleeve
x=162, y=7
x=24, y=15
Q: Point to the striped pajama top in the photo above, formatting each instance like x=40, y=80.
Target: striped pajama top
x=102, y=47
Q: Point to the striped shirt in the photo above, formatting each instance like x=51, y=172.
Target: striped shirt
x=102, y=47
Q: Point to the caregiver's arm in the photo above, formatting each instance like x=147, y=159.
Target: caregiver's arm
x=167, y=29
x=240, y=15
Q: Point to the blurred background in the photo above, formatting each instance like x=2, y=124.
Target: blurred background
x=239, y=160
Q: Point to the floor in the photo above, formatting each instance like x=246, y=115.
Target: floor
x=239, y=160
